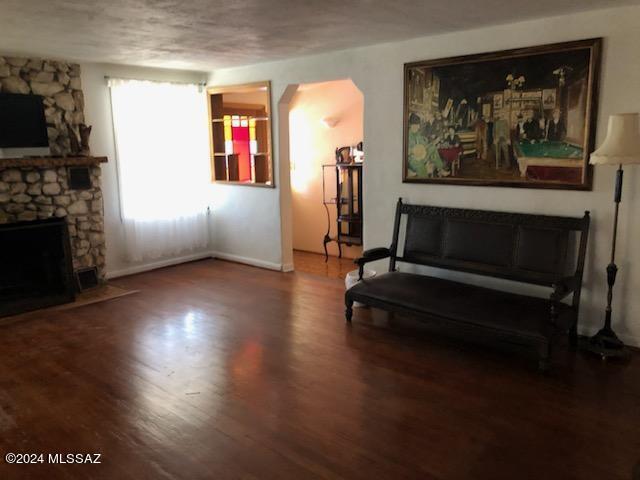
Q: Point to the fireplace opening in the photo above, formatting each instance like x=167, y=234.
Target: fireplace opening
x=36, y=267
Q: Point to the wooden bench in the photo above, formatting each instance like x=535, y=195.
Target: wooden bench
x=548, y=251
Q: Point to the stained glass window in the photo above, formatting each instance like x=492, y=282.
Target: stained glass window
x=240, y=134
x=240, y=139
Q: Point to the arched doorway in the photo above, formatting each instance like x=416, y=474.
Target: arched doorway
x=315, y=119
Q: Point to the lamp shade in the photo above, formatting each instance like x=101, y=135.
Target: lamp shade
x=622, y=144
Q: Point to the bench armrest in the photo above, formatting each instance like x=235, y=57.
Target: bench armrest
x=370, y=256
x=563, y=287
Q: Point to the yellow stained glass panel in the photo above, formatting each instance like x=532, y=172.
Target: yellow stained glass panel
x=227, y=127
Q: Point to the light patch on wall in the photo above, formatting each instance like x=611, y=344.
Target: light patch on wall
x=301, y=148
x=329, y=122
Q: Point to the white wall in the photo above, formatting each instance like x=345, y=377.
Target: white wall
x=98, y=114
x=248, y=222
x=312, y=145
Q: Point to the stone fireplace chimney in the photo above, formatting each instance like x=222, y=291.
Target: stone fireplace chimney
x=37, y=188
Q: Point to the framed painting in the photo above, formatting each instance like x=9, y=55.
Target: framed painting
x=516, y=118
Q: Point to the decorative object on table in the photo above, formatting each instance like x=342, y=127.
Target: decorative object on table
x=516, y=118
x=343, y=155
x=621, y=147
x=347, y=199
x=358, y=153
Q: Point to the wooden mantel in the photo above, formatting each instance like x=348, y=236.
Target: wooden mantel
x=50, y=161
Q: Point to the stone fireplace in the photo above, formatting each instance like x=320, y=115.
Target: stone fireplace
x=38, y=188
x=33, y=189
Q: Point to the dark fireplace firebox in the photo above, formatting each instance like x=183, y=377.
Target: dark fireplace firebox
x=35, y=265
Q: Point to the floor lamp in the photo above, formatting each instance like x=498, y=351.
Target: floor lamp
x=621, y=147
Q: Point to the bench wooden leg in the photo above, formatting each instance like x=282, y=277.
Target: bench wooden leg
x=348, y=312
x=543, y=365
x=573, y=337
x=543, y=358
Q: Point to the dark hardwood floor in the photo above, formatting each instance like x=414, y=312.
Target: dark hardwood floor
x=223, y=371
x=333, y=267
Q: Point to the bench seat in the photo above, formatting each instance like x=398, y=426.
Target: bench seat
x=510, y=313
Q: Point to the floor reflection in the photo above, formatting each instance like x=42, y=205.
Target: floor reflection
x=219, y=370
x=314, y=263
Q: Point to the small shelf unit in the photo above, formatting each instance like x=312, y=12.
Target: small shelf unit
x=348, y=205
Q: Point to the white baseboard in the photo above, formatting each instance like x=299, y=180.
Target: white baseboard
x=197, y=256
x=248, y=261
x=287, y=267
x=159, y=264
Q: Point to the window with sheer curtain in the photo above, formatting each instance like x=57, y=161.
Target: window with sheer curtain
x=163, y=167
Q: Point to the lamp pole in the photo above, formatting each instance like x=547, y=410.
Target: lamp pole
x=620, y=147
x=606, y=343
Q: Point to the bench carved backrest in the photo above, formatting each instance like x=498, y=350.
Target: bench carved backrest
x=521, y=247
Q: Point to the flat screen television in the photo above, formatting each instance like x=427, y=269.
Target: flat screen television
x=22, y=121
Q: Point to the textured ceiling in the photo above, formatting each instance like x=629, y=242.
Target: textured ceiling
x=207, y=34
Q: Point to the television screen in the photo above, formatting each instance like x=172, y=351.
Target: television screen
x=22, y=121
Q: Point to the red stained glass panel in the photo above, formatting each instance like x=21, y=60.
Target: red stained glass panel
x=241, y=148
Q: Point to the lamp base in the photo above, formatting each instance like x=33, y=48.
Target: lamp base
x=605, y=344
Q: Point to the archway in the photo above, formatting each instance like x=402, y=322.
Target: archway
x=314, y=120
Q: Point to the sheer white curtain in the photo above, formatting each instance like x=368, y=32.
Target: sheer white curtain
x=163, y=166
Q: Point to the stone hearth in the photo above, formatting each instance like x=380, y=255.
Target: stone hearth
x=38, y=192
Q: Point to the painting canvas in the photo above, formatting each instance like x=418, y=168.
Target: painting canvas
x=518, y=118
